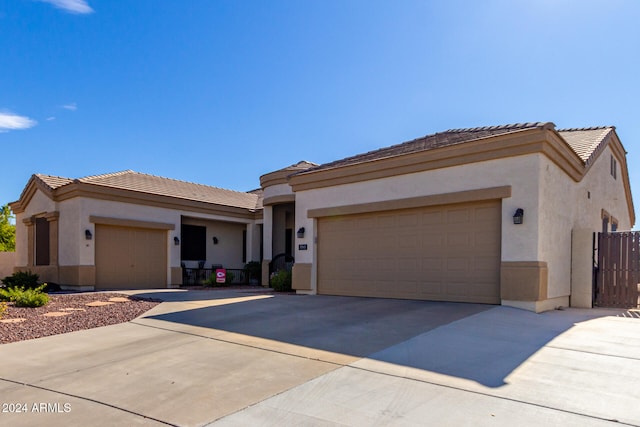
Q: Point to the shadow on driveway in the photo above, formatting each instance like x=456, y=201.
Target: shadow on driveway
x=478, y=342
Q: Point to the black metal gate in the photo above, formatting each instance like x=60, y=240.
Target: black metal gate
x=617, y=271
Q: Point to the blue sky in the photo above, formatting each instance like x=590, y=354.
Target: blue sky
x=220, y=92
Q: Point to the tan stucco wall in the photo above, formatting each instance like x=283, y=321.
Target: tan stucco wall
x=568, y=206
x=524, y=281
x=519, y=243
x=39, y=204
x=582, y=268
x=555, y=222
x=606, y=193
x=267, y=232
x=301, y=276
x=598, y=191
x=7, y=263
x=554, y=205
x=76, y=255
x=84, y=275
x=278, y=193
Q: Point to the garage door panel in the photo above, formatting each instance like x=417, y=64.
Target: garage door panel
x=458, y=216
x=408, y=220
x=432, y=219
x=431, y=264
x=432, y=238
x=449, y=253
x=458, y=240
x=129, y=258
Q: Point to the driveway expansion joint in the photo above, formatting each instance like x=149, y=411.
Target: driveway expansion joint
x=464, y=390
x=314, y=359
x=87, y=399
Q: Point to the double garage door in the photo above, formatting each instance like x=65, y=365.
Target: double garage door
x=130, y=258
x=442, y=253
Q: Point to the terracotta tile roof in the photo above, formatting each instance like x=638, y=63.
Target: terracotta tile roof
x=301, y=165
x=586, y=141
x=436, y=140
x=53, y=182
x=151, y=184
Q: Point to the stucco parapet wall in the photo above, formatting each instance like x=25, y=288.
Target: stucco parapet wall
x=122, y=222
x=275, y=178
x=282, y=198
x=282, y=176
x=519, y=143
x=415, y=202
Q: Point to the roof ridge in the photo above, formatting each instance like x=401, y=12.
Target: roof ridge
x=50, y=176
x=89, y=179
x=586, y=128
x=104, y=175
x=525, y=125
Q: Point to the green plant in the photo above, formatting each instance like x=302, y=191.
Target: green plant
x=7, y=230
x=229, y=278
x=22, y=279
x=3, y=308
x=21, y=297
x=281, y=281
x=212, y=281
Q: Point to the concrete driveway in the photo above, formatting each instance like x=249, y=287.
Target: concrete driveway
x=247, y=358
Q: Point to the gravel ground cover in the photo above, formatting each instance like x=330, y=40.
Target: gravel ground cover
x=70, y=312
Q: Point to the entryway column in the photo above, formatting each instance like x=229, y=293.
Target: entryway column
x=267, y=249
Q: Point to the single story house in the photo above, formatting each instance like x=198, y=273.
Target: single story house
x=496, y=215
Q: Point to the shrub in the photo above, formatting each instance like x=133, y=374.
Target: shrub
x=211, y=281
x=22, y=297
x=281, y=281
x=3, y=308
x=22, y=279
x=229, y=278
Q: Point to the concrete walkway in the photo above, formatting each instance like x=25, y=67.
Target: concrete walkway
x=249, y=358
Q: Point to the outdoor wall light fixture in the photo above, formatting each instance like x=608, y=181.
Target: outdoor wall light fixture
x=176, y=241
x=518, y=217
x=215, y=240
x=300, y=232
x=88, y=235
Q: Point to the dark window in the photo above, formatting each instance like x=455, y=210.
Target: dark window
x=42, y=241
x=614, y=167
x=261, y=242
x=288, y=243
x=194, y=243
x=244, y=246
x=605, y=224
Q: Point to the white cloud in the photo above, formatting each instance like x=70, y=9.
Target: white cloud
x=10, y=121
x=51, y=118
x=71, y=6
x=72, y=107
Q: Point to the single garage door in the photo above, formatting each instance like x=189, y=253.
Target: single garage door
x=130, y=258
x=443, y=253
